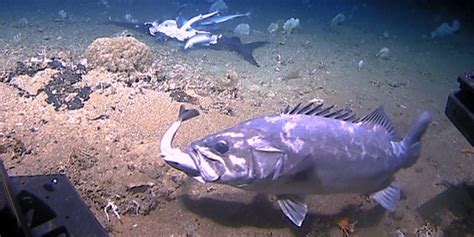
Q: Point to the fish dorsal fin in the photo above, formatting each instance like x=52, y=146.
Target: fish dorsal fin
x=380, y=118
x=318, y=109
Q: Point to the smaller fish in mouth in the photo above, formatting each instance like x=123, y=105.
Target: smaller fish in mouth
x=174, y=156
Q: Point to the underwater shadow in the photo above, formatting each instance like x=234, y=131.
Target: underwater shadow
x=262, y=214
x=458, y=199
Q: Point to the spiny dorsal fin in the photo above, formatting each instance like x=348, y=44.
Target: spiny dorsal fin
x=378, y=117
x=318, y=109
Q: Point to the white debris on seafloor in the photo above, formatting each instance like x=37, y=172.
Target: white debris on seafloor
x=219, y=6
x=170, y=27
x=428, y=230
x=383, y=53
x=62, y=14
x=273, y=27
x=290, y=25
x=129, y=18
x=242, y=29
x=84, y=62
x=359, y=66
x=400, y=233
x=137, y=207
x=338, y=19
x=445, y=29
x=111, y=205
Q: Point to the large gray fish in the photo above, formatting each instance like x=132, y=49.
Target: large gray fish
x=303, y=150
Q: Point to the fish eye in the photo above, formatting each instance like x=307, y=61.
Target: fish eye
x=221, y=147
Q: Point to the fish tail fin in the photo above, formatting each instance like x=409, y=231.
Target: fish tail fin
x=186, y=114
x=412, y=141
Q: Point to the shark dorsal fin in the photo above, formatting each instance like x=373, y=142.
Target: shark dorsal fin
x=318, y=109
x=380, y=118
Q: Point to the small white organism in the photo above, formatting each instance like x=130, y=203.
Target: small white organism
x=219, y=6
x=242, y=29
x=386, y=35
x=291, y=24
x=62, y=14
x=23, y=22
x=111, y=205
x=129, y=18
x=273, y=27
x=383, y=53
x=338, y=19
x=359, y=66
x=445, y=29
x=104, y=3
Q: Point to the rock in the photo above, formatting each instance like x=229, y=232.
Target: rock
x=139, y=187
x=32, y=84
x=182, y=97
x=119, y=54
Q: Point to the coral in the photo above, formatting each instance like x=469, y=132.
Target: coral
x=291, y=24
x=62, y=14
x=273, y=27
x=129, y=18
x=242, y=29
x=338, y=19
x=119, y=54
x=219, y=6
x=383, y=53
x=22, y=23
x=445, y=29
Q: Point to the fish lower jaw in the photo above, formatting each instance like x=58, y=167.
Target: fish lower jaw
x=180, y=158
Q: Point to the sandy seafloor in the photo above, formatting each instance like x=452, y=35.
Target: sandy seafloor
x=418, y=75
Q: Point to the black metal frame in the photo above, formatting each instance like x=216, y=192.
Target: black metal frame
x=460, y=106
x=44, y=205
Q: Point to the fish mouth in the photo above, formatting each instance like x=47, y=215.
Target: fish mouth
x=183, y=162
x=210, y=165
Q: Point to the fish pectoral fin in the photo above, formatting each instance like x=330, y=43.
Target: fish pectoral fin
x=293, y=207
x=388, y=197
x=278, y=169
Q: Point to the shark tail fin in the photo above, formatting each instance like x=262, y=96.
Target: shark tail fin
x=249, y=48
x=254, y=45
x=411, y=142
